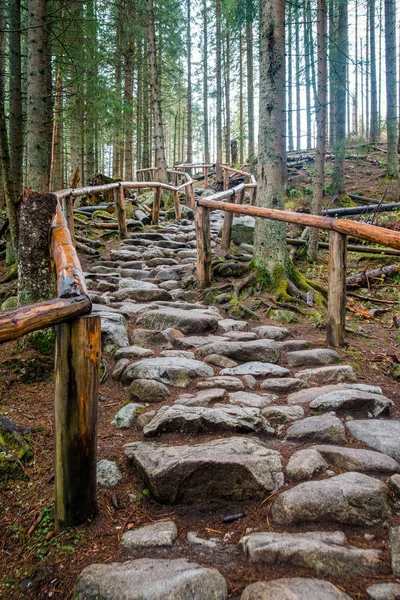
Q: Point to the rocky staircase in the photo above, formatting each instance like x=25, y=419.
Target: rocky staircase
x=286, y=423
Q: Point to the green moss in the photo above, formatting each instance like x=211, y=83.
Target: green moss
x=284, y=316
x=10, y=303
x=43, y=341
x=13, y=454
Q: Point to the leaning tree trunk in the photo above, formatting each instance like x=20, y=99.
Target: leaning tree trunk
x=270, y=253
x=320, y=111
x=155, y=95
x=391, y=88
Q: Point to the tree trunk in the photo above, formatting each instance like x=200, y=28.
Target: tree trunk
x=189, y=156
x=227, y=98
x=374, y=127
x=297, y=63
x=16, y=122
x=219, y=87
x=38, y=147
x=332, y=58
x=320, y=111
x=340, y=97
x=290, y=81
x=241, y=119
x=391, y=88
x=270, y=253
x=307, y=71
x=250, y=84
x=155, y=95
x=128, y=111
x=205, y=85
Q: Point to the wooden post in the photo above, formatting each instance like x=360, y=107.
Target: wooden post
x=119, y=198
x=192, y=197
x=77, y=364
x=226, y=237
x=226, y=180
x=177, y=206
x=156, y=205
x=69, y=216
x=203, y=239
x=335, y=325
x=241, y=196
x=205, y=171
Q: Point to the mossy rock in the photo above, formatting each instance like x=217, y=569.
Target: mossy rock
x=16, y=450
x=102, y=214
x=186, y=213
x=284, y=316
x=10, y=303
x=43, y=341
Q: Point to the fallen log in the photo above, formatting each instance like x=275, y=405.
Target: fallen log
x=350, y=247
x=361, y=210
x=88, y=242
x=86, y=249
x=363, y=279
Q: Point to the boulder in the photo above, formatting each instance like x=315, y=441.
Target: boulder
x=284, y=385
x=126, y=416
x=271, y=332
x=349, y=499
x=114, y=331
x=324, y=428
x=232, y=325
x=171, y=371
x=282, y=414
x=150, y=579
x=133, y=352
x=296, y=588
x=220, y=361
x=149, y=338
x=314, y=357
x=304, y=464
x=200, y=419
x=141, y=291
x=108, y=473
x=195, y=341
x=257, y=369
x=257, y=350
x=228, y=383
x=355, y=459
x=382, y=435
x=243, y=230
x=148, y=390
x=353, y=402
x=334, y=374
x=161, y=533
x=384, y=591
x=202, y=398
x=326, y=553
x=236, y=468
x=187, y=321
x=307, y=395
x=249, y=399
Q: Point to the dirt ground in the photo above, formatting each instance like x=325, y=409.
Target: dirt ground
x=37, y=563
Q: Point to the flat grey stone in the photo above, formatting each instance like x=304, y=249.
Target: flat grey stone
x=236, y=468
x=296, y=588
x=257, y=350
x=372, y=389
x=271, y=332
x=220, y=361
x=108, y=473
x=349, y=499
x=315, y=550
x=283, y=414
x=195, y=341
x=200, y=419
x=257, y=369
x=120, y=368
x=187, y=321
x=171, y=371
x=232, y=325
x=228, y=383
x=146, y=292
x=161, y=533
x=193, y=538
x=284, y=385
x=124, y=255
x=394, y=539
x=202, y=398
x=169, y=285
x=126, y=416
x=307, y=395
x=178, y=354
x=249, y=381
x=150, y=579
x=304, y=464
x=114, y=330
x=133, y=352
x=148, y=390
x=145, y=418
x=134, y=274
x=249, y=399
x=326, y=375
x=355, y=459
x=384, y=591
x=149, y=338
x=382, y=435
x=240, y=336
x=354, y=402
x=314, y=357
x=324, y=428
x=295, y=345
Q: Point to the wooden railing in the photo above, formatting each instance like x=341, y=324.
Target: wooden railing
x=78, y=345
x=338, y=229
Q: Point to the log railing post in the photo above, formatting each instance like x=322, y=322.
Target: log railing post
x=177, y=206
x=226, y=180
x=192, y=197
x=156, y=205
x=69, y=216
x=77, y=364
x=205, y=171
x=226, y=237
x=203, y=239
x=335, y=325
x=119, y=198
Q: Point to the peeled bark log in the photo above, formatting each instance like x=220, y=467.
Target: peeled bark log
x=364, y=279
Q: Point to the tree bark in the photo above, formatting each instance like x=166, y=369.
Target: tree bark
x=128, y=111
x=340, y=97
x=297, y=63
x=227, y=98
x=374, y=127
x=16, y=122
x=219, y=87
x=250, y=84
x=290, y=82
x=189, y=156
x=391, y=88
x=205, y=85
x=270, y=251
x=241, y=119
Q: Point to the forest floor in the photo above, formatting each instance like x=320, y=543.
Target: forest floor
x=36, y=562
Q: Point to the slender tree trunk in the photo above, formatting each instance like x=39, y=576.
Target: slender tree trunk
x=270, y=253
x=367, y=75
x=391, y=88
x=227, y=99
x=307, y=70
x=374, y=128
x=205, y=85
x=250, y=84
x=298, y=102
x=16, y=131
x=219, y=88
x=38, y=148
x=340, y=97
x=56, y=147
x=189, y=157
x=128, y=111
x=380, y=66
x=290, y=81
x=139, y=105
x=320, y=111
x=155, y=95
x=332, y=75
x=355, y=103
x=241, y=116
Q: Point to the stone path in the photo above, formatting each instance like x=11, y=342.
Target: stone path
x=261, y=396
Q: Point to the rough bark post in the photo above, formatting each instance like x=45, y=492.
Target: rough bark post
x=177, y=206
x=69, y=215
x=119, y=197
x=156, y=206
x=219, y=88
x=335, y=324
x=226, y=180
x=35, y=274
x=391, y=88
x=205, y=84
x=192, y=197
x=77, y=365
x=203, y=239
x=205, y=171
